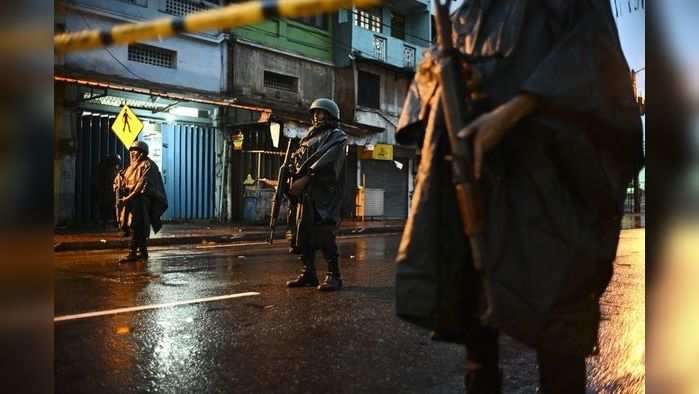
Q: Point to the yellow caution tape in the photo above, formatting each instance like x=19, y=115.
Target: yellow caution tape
x=229, y=17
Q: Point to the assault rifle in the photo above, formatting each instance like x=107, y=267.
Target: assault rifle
x=460, y=105
x=280, y=191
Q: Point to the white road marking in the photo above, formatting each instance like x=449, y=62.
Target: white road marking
x=228, y=245
x=155, y=306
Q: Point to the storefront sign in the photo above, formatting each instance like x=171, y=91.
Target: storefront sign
x=379, y=152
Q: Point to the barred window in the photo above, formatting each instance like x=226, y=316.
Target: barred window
x=154, y=56
x=183, y=7
x=281, y=82
x=380, y=48
x=369, y=19
x=409, y=57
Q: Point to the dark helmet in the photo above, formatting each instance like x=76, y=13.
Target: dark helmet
x=139, y=145
x=328, y=105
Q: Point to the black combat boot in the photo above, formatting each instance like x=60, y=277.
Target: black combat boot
x=132, y=256
x=482, y=370
x=483, y=381
x=308, y=278
x=561, y=373
x=333, y=280
x=143, y=253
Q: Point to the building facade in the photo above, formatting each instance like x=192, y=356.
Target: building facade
x=176, y=87
x=220, y=107
x=376, y=54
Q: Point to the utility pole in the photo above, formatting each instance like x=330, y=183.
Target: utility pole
x=641, y=106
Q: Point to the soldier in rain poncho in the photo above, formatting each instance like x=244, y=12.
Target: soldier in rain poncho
x=559, y=147
x=142, y=200
x=317, y=192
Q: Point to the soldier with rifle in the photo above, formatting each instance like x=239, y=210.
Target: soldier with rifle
x=312, y=178
x=529, y=136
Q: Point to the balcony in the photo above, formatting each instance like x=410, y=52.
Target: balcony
x=408, y=6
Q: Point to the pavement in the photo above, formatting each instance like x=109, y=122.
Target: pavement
x=203, y=233
x=207, y=233
x=279, y=340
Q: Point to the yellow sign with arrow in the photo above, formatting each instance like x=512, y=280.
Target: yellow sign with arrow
x=127, y=126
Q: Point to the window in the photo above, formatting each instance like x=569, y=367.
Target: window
x=369, y=90
x=317, y=21
x=433, y=29
x=281, y=82
x=154, y=56
x=380, y=48
x=142, y=3
x=409, y=57
x=184, y=7
x=398, y=26
x=369, y=19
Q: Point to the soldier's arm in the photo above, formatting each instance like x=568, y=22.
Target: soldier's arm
x=140, y=186
x=490, y=128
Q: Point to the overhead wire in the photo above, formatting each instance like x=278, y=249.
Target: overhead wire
x=111, y=54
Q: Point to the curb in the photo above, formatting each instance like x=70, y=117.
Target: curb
x=197, y=239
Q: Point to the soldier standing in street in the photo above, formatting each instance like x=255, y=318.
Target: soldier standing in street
x=141, y=198
x=553, y=152
x=317, y=191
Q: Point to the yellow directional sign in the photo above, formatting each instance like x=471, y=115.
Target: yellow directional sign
x=127, y=126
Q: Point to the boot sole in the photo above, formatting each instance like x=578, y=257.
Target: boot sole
x=328, y=289
x=292, y=286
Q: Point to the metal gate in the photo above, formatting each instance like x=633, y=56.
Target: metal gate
x=189, y=171
x=95, y=141
x=187, y=167
x=385, y=175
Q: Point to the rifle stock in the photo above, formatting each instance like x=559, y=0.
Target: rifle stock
x=281, y=190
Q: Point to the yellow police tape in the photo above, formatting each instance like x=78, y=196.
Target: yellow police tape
x=231, y=16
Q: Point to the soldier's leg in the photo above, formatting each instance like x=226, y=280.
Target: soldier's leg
x=561, y=373
x=133, y=209
x=308, y=276
x=145, y=228
x=333, y=279
x=482, y=360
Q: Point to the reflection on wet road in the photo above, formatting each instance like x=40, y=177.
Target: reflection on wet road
x=620, y=366
x=290, y=340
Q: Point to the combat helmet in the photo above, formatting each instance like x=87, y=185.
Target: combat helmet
x=328, y=105
x=140, y=145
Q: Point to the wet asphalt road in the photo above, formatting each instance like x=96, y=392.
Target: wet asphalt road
x=289, y=340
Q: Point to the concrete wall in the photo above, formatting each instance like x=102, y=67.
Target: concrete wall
x=200, y=58
x=64, y=161
x=249, y=64
x=394, y=87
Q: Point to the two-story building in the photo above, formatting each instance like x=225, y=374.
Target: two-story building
x=284, y=64
x=376, y=52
